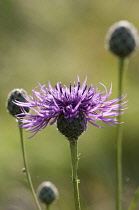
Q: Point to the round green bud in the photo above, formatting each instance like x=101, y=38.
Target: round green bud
x=122, y=39
x=47, y=193
x=16, y=95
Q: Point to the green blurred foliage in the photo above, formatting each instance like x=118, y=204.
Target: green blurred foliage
x=57, y=40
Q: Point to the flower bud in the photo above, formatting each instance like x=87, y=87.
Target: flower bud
x=122, y=39
x=47, y=192
x=16, y=95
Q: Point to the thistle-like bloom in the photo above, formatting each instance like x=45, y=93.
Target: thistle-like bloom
x=71, y=108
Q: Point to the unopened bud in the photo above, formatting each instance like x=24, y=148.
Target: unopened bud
x=122, y=39
x=16, y=95
x=47, y=193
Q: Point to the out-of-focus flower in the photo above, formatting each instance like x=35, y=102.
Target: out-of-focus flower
x=47, y=193
x=122, y=39
x=70, y=107
x=16, y=95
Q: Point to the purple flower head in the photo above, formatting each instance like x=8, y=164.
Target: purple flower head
x=70, y=107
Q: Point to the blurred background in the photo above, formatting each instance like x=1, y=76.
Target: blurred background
x=57, y=40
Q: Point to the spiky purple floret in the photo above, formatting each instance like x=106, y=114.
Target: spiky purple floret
x=50, y=103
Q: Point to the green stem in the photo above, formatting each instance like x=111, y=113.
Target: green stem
x=134, y=201
x=47, y=207
x=119, y=143
x=74, y=160
x=26, y=167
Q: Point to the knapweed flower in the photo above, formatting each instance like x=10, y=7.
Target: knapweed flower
x=19, y=95
x=122, y=38
x=71, y=108
x=47, y=192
